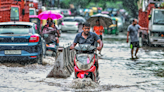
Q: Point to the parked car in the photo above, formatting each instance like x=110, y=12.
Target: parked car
x=19, y=41
x=69, y=24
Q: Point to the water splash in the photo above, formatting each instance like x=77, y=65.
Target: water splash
x=85, y=83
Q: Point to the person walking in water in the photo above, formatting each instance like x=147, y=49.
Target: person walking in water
x=134, y=39
x=99, y=30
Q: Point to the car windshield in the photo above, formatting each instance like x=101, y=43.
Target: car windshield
x=15, y=29
x=158, y=17
x=65, y=11
x=31, y=12
x=14, y=13
x=69, y=20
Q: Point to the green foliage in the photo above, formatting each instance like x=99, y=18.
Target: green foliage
x=129, y=5
x=90, y=5
x=116, y=4
x=65, y=4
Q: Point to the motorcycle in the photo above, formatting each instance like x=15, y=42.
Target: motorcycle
x=84, y=62
x=49, y=36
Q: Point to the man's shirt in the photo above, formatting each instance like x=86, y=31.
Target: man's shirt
x=97, y=29
x=133, y=32
x=91, y=39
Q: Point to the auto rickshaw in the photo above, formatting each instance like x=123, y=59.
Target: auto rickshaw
x=94, y=10
x=113, y=28
x=89, y=11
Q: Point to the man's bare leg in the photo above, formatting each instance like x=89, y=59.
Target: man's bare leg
x=100, y=51
x=132, y=53
x=136, y=52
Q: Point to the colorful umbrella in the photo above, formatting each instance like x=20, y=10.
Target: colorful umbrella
x=49, y=14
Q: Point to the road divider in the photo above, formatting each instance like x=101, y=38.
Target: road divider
x=64, y=64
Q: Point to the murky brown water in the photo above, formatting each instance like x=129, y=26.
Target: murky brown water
x=117, y=71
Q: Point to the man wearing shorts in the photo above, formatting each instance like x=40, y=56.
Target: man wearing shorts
x=133, y=32
x=98, y=29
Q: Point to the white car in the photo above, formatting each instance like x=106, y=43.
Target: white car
x=69, y=24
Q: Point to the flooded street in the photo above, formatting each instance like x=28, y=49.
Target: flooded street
x=117, y=71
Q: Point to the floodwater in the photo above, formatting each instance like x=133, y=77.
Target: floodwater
x=117, y=71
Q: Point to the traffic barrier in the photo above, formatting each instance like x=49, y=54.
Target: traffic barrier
x=64, y=64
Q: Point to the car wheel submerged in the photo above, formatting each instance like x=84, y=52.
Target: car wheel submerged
x=39, y=59
x=149, y=43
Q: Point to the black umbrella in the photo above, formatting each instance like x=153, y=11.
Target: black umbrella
x=104, y=19
x=79, y=19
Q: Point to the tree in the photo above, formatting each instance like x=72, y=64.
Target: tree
x=131, y=5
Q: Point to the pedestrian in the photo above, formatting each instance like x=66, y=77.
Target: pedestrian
x=80, y=27
x=99, y=29
x=134, y=39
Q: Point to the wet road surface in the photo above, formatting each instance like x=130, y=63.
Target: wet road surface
x=117, y=71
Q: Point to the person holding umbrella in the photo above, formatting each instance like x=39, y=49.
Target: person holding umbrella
x=98, y=29
x=50, y=16
x=98, y=22
x=50, y=23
